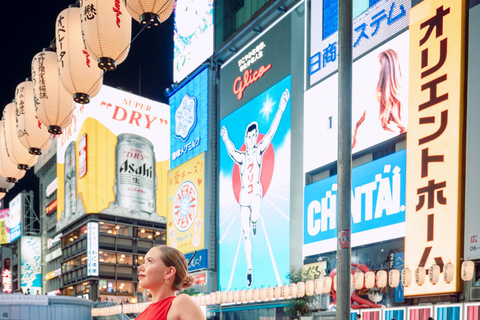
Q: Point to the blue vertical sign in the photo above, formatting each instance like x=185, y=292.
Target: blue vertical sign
x=189, y=120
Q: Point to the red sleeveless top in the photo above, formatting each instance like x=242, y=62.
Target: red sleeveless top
x=157, y=310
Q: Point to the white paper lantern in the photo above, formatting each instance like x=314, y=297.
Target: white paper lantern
x=153, y=11
x=236, y=296
x=381, y=278
x=213, y=298
x=255, y=295
x=393, y=278
x=420, y=276
x=335, y=282
x=448, y=272
x=207, y=299
x=8, y=169
x=15, y=150
x=262, y=294
x=358, y=280
x=107, y=31
x=76, y=65
x=468, y=269
x=4, y=184
x=31, y=132
x=285, y=292
x=223, y=297
x=300, y=289
x=269, y=293
x=248, y=295
x=54, y=104
x=434, y=274
x=277, y=292
x=327, y=284
x=292, y=289
x=201, y=301
x=229, y=296
x=218, y=297
x=309, y=288
x=369, y=279
x=319, y=285
x=243, y=296
x=406, y=277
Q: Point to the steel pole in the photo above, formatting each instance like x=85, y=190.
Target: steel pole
x=344, y=163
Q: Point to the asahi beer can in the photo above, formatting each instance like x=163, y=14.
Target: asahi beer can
x=135, y=182
x=70, y=180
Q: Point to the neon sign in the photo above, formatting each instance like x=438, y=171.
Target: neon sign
x=7, y=281
x=249, y=77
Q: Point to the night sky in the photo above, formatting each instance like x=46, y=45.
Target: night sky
x=29, y=26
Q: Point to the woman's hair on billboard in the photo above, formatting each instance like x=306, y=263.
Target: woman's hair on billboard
x=388, y=90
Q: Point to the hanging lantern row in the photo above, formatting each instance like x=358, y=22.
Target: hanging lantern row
x=323, y=285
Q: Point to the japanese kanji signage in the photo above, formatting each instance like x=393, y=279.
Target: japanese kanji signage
x=372, y=25
x=92, y=249
x=186, y=216
x=434, y=140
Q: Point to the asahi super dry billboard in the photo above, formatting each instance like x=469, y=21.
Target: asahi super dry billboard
x=123, y=157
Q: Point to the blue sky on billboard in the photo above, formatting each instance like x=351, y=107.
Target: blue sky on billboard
x=378, y=206
x=242, y=219
x=147, y=70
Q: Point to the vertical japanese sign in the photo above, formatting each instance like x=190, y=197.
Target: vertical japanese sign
x=92, y=249
x=434, y=163
x=189, y=116
x=16, y=212
x=31, y=264
x=186, y=202
x=254, y=198
x=4, y=222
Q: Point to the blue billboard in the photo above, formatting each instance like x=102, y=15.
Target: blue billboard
x=31, y=265
x=378, y=206
x=254, y=191
x=189, y=120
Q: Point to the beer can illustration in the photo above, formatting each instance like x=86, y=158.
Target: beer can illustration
x=135, y=181
x=70, y=180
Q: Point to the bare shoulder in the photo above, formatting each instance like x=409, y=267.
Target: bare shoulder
x=183, y=307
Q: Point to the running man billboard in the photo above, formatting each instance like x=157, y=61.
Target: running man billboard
x=254, y=205
x=119, y=143
x=378, y=206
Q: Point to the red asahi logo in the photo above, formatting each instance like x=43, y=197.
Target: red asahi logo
x=249, y=77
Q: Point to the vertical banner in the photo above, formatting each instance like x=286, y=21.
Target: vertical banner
x=186, y=202
x=4, y=222
x=254, y=184
x=189, y=116
x=16, y=211
x=92, y=249
x=435, y=140
x=31, y=264
x=192, y=36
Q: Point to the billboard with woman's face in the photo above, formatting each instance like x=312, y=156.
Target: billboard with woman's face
x=379, y=104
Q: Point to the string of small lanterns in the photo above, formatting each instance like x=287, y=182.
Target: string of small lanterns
x=65, y=73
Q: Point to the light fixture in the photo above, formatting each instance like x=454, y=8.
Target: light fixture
x=319, y=285
x=142, y=231
x=149, y=236
x=406, y=277
x=467, y=271
x=157, y=233
x=300, y=289
x=394, y=278
x=150, y=12
x=121, y=259
x=107, y=32
x=122, y=255
x=309, y=288
x=358, y=280
x=71, y=239
x=31, y=132
x=117, y=227
x=434, y=274
x=381, y=278
x=109, y=231
x=4, y=185
x=16, y=152
x=8, y=169
x=448, y=272
x=420, y=276
x=78, y=74
x=369, y=279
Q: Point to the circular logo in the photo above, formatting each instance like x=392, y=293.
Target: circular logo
x=185, y=206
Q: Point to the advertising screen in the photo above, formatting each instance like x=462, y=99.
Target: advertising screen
x=192, y=36
x=254, y=196
x=189, y=116
x=31, y=264
x=374, y=22
x=92, y=249
x=186, y=202
x=125, y=162
x=379, y=104
x=378, y=206
x=435, y=141
x=4, y=222
x=16, y=206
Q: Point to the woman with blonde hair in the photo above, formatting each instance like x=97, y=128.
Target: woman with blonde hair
x=164, y=272
x=388, y=95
